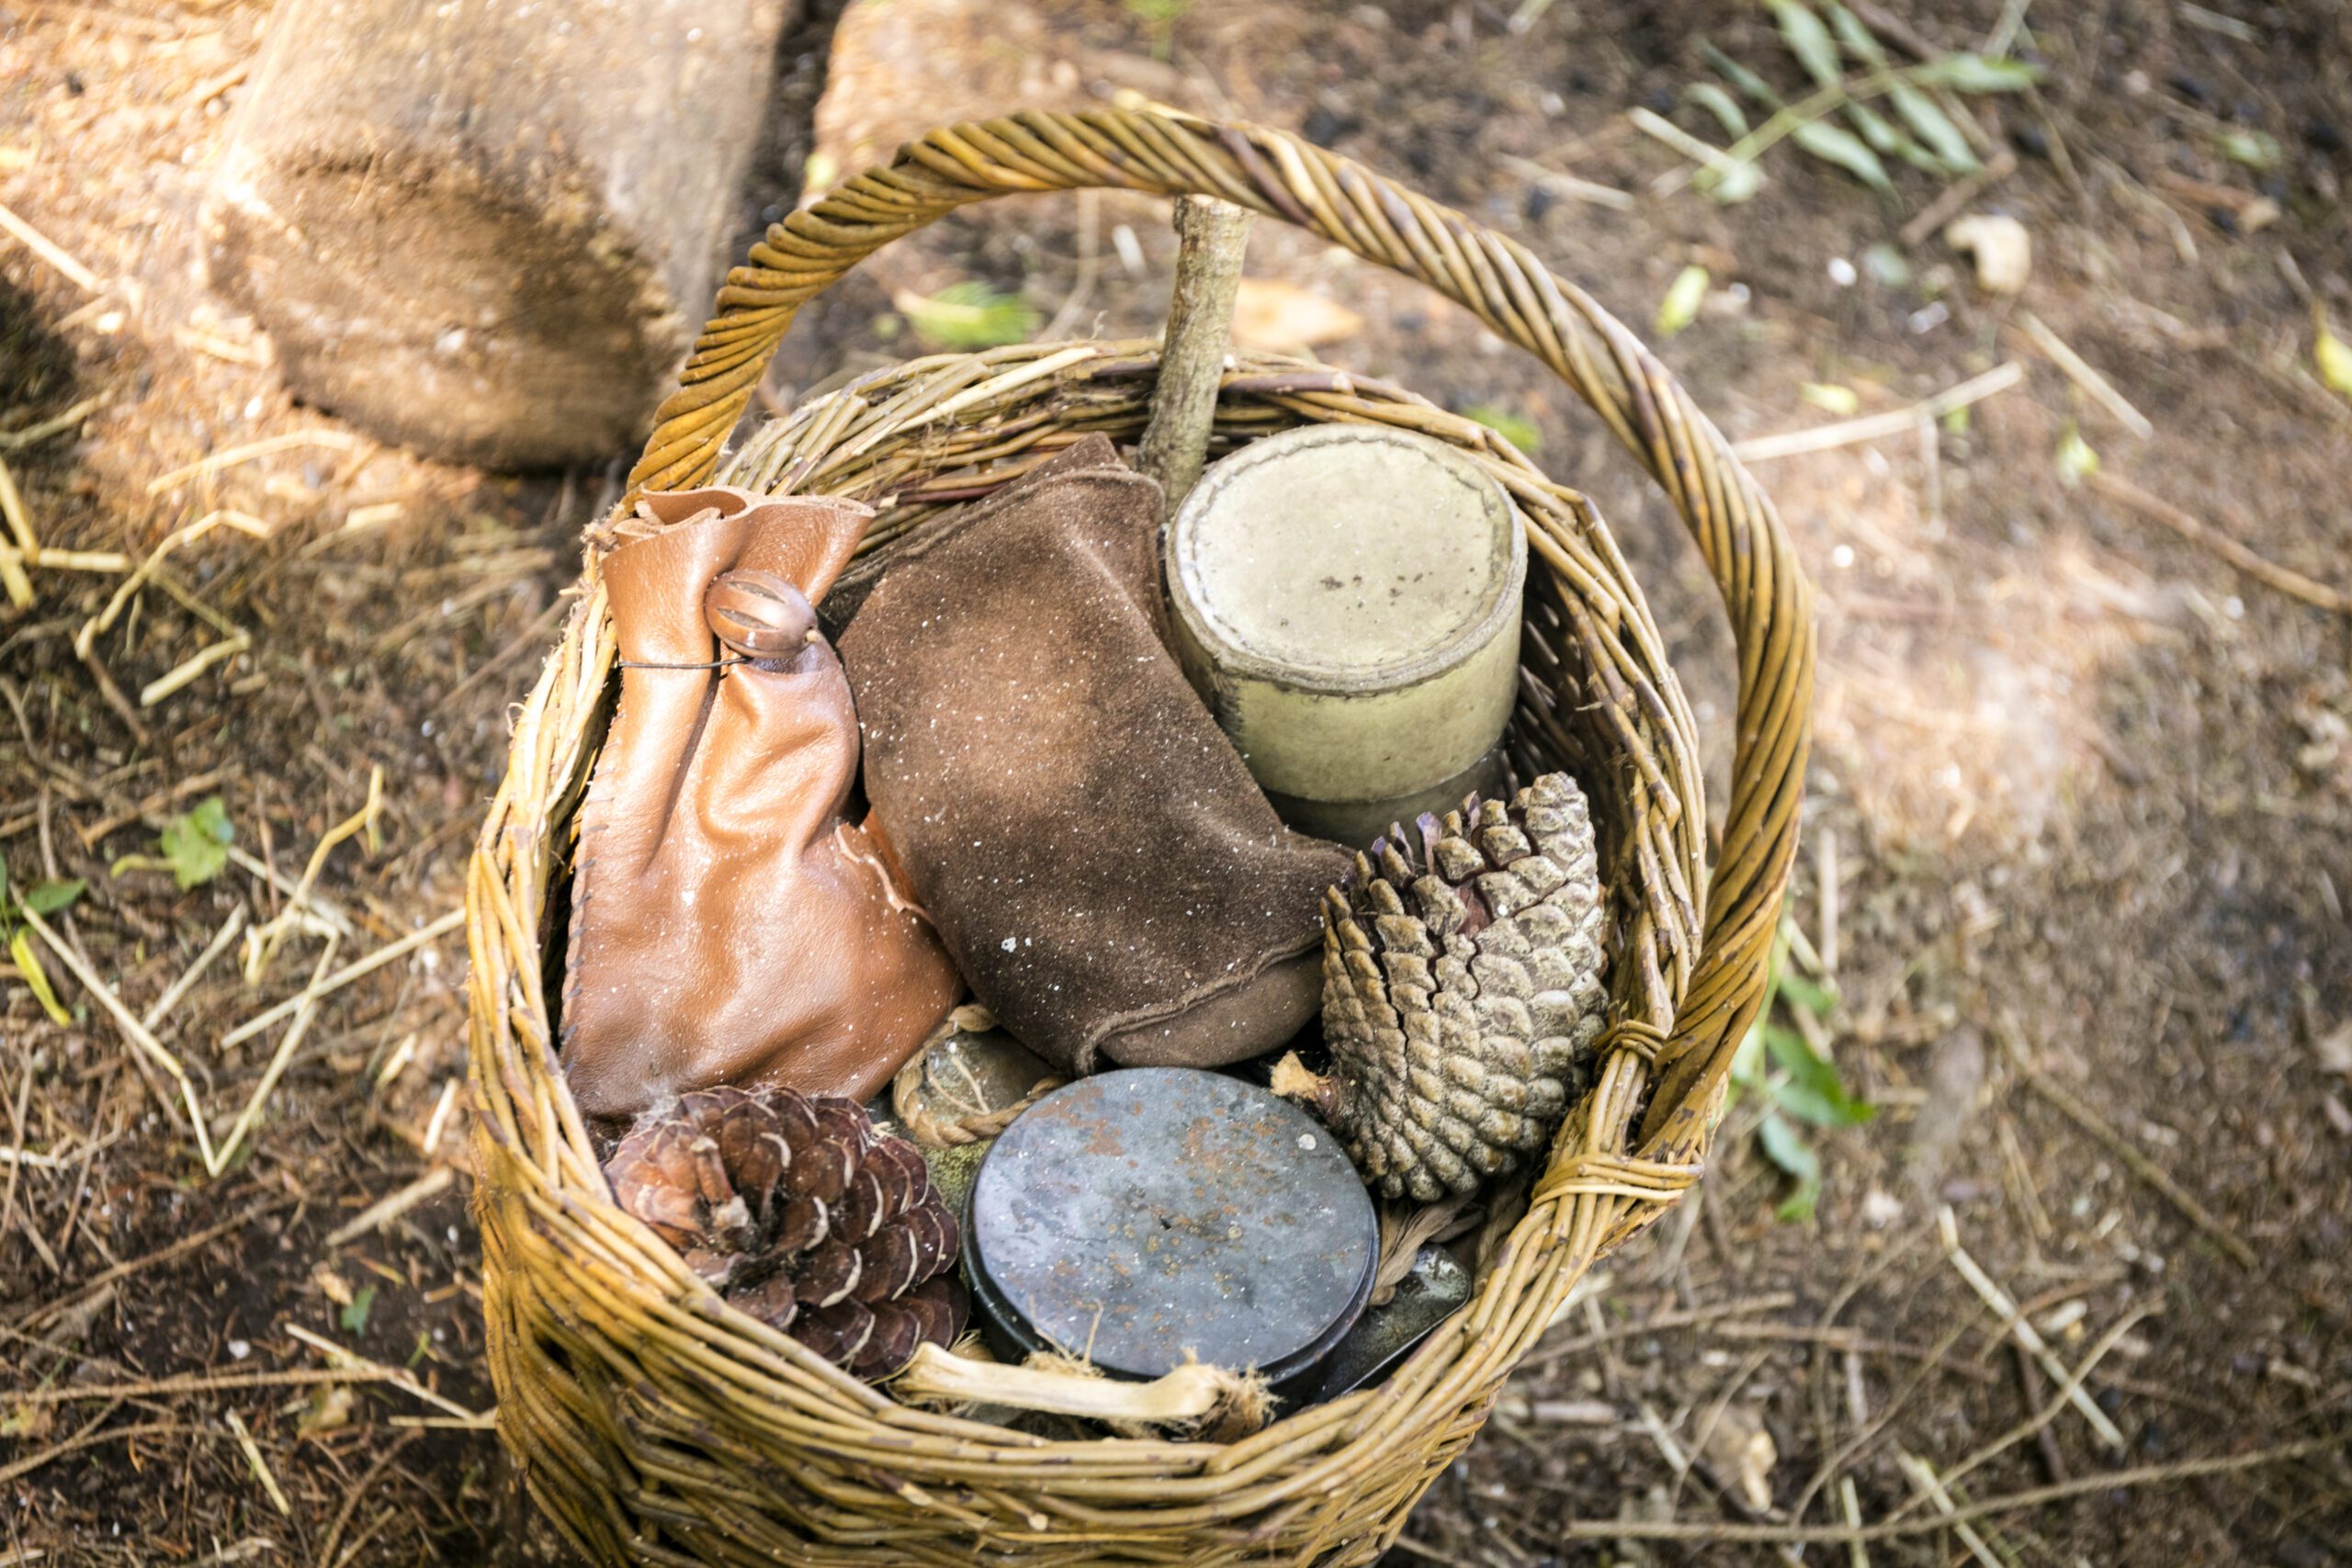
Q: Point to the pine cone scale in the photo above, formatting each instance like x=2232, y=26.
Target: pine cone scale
x=1463, y=989
x=803, y=1217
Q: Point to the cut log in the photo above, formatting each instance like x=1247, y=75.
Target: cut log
x=489, y=229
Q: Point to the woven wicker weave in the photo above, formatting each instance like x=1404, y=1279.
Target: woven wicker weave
x=654, y=1425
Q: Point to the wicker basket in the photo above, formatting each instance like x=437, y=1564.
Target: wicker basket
x=655, y=1424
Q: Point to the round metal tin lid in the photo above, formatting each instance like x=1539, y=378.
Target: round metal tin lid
x=1346, y=557
x=1140, y=1215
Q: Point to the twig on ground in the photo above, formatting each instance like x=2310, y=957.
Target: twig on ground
x=1959, y=194
x=345, y=975
x=363, y=1487
x=56, y=424
x=188, y=976
x=251, y=1115
x=2035, y=1497
x=1545, y=1354
x=341, y=441
x=531, y=637
x=262, y=945
x=104, y=620
x=327, y=912
x=41, y=1314
x=2100, y=390
x=49, y=250
x=1922, y=1476
x=2014, y=1323
x=2292, y=583
x=1568, y=185
x=352, y=1364
x=2116, y=1143
x=1878, y=426
x=86, y=1438
x=2038, y=1422
x=188, y=669
x=385, y=1211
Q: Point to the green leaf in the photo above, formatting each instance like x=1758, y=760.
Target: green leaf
x=1808, y=39
x=1517, y=429
x=1728, y=185
x=2334, y=359
x=1842, y=402
x=1681, y=306
x=2076, y=461
x=1813, y=1093
x=1975, y=74
x=2255, y=149
x=1795, y=988
x=355, y=1315
x=1739, y=76
x=195, y=844
x=1835, y=144
x=1722, y=105
x=36, y=978
x=968, y=316
x=1880, y=135
x=49, y=895
x=1934, y=128
x=1786, y=1148
x=1857, y=39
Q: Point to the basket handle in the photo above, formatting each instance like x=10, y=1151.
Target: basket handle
x=1169, y=154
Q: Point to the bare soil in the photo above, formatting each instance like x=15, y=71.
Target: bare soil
x=2082, y=788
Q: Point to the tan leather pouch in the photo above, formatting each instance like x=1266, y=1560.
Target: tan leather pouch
x=728, y=924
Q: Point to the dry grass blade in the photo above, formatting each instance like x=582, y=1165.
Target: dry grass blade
x=341, y=441
x=262, y=945
x=350, y=1364
x=2015, y=1325
x=260, y=1465
x=2290, y=582
x=133, y=1029
x=49, y=250
x=2183, y=1201
x=249, y=1116
x=358, y=969
x=1878, y=426
x=2101, y=390
x=385, y=1210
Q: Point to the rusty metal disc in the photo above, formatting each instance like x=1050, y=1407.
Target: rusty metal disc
x=1137, y=1216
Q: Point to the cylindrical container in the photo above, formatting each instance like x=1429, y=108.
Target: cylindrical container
x=1347, y=600
x=1146, y=1216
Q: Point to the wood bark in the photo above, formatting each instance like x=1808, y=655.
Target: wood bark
x=1211, y=238
x=489, y=229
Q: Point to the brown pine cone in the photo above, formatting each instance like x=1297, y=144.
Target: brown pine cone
x=1462, y=991
x=803, y=1215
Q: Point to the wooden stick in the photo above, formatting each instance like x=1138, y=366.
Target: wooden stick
x=345, y=975
x=48, y=250
x=2122, y=1148
x=384, y=1210
x=2014, y=1322
x=1212, y=236
x=2292, y=583
x=2078, y=370
x=1878, y=426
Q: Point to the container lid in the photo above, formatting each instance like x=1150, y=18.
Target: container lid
x=1345, y=557
x=1138, y=1215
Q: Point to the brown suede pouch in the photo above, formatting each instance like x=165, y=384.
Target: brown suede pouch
x=727, y=925
x=1094, y=853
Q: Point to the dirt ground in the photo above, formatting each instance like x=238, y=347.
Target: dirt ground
x=2079, y=825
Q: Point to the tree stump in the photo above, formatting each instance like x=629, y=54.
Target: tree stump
x=488, y=228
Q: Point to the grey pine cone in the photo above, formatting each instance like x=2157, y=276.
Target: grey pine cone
x=1462, y=991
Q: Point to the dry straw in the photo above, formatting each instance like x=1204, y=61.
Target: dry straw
x=655, y=1424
